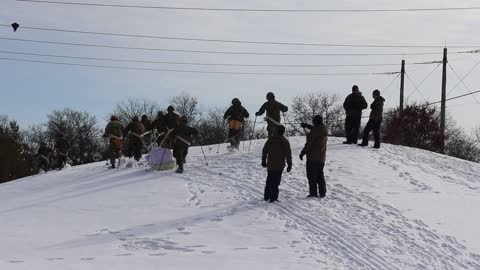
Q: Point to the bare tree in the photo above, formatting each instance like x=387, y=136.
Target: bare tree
x=15, y=156
x=187, y=105
x=81, y=132
x=460, y=145
x=126, y=110
x=212, y=128
x=476, y=133
x=311, y=104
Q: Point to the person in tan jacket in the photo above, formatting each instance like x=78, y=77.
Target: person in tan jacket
x=275, y=153
x=315, y=148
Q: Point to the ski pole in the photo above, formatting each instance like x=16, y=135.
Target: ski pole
x=204, y=156
x=253, y=132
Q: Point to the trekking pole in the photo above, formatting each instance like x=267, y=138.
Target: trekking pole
x=253, y=132
x=204, y=156
x=285, y=119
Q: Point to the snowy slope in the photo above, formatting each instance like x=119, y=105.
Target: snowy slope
x=393, y=208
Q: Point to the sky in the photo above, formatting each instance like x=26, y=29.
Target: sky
x=29, y=91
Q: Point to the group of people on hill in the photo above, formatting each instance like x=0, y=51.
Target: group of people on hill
x=277, y=153
x=171, y=131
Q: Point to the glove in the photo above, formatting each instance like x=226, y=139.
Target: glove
x=258, y=114
x=289, y=168
x=264, y=163
x=302, y=154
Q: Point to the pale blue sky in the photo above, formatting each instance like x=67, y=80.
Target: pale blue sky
x=29, y=91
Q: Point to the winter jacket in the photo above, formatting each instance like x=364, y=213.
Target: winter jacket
x=183, y=136
x=275, y=152
x=316, y=146
x=147, y=124
x=236, y=112
x=135, y=130
x=377, y=109
x=159, y=124
x=354, y=104
x=273, y=109
x=172, y=120
x=114, y=128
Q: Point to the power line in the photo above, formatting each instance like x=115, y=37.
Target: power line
x=466, y=75
x=237, y=41
x=463, y=82
x=416, y=88
x=254, y=10
x=190, y=71
x=452, y=98
x=424, y=79
x=212, y=52
x=193, y=63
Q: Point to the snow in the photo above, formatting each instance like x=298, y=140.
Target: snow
x=392, y=208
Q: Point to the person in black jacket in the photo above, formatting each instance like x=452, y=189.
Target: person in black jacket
x=273, y=109
x=375, y=120
x=353, y=105
x=276, y=152
x=235, y=115
x=182, y=136
x=134, y=131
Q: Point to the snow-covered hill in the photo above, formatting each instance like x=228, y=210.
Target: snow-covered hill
x=393, y=208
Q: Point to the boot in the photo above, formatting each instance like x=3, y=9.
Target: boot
x=363, y=143
x=179, y=170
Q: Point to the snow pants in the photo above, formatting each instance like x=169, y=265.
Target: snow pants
x=180, y=152
x=316, y=178
x=134, y=149
x=234, y=136
x=372, y=125
x=352, y=127
x=271, y=129
x=271, y=186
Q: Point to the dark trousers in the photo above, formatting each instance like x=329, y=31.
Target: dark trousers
x=271, y=129
x=316, y=178
x=134, y=149
x=180, y=153
x=372, y=125
x=271, y=186
x=352, y=127
x=234, y=136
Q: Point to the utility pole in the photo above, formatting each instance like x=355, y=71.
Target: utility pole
x=402, y=85
x=444, y=97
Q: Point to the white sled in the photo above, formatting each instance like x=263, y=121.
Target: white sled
x=160, y=159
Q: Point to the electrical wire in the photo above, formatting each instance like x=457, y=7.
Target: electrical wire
x=190, y=71
x=211, y=52
x=193, y=63
x=253, y=10
x=238, y=41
